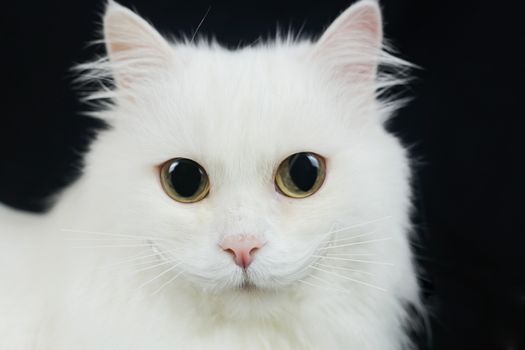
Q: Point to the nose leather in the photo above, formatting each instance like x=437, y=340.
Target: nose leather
x=242, y=248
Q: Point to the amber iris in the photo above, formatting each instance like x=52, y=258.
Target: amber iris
x=300, y=175
x=184, y=180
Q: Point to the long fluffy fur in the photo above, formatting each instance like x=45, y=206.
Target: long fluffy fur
x=336, y=271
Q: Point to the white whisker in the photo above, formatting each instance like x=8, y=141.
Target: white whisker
x=114, y=234
x=152, y=260
x=352, y=237
x=343, y=229
x=133, y=263
x=332, y=285
x=344, y=268
x=356, y=243
x=136, y=260
x=349, y=278
x=200, y=24
x=323, y=287
x=167, y=282
x=112, y=246
x=135, y=257
x=159, y=275
x=104, y=239
x=354, y=260
x=350, y=254
x=152, y=266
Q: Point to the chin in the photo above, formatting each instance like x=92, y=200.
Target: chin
x=254, y=287
x=243, y=285
x=249, y=302
x=240, y=297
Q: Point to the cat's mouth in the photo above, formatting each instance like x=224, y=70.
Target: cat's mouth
x=248, y=286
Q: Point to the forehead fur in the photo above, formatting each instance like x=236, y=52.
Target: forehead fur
x=249, y=107
x=232, y=102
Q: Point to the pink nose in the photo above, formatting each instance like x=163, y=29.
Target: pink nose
x=242, y=248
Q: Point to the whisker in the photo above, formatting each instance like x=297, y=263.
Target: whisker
x=136, y=257
x=331, y=284
x=200, y=24
x=114, y=234
x=167, y=282
x=159, y=275
x=354, y=260
x=323, y=287
x=352, y=237
x=135, y=261
x=152, y=260
x=351, y=254
x=133, y=258
x=349, y=279
x=344, y=268
x=121, y=269
x=152, y=266
x=356, y=243
x=104, y=239
x=253, y=43
x=310, y=261
x=359, y=225
x=112, y=246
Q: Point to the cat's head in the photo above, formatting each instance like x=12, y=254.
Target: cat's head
x=240, y=167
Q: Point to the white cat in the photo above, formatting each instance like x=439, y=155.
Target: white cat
x=246, y=199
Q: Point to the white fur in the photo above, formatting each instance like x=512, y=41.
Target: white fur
x=238, y=114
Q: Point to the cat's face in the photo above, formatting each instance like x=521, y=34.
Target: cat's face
x=239, y=116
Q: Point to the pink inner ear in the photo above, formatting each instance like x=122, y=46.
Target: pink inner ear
x=367, y=22
x=352, y=44
x=134, y=47
x=125, y=31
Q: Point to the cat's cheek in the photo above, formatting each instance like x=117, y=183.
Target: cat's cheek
x=206, y=263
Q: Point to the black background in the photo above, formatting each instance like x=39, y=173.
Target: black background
x=464, y=125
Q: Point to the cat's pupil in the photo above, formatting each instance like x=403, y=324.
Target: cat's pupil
x=185, y=176
x=304, y=169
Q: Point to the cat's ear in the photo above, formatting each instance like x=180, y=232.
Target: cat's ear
x=351, y=46
x=135, y=49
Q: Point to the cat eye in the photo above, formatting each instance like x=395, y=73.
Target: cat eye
x=300, y=175
x=184, y=180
